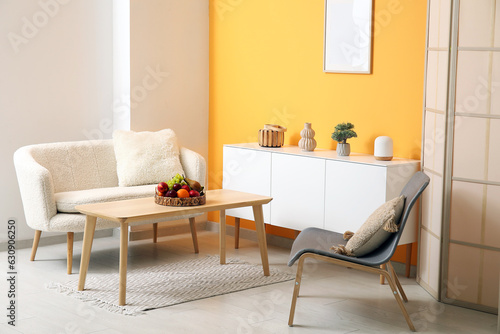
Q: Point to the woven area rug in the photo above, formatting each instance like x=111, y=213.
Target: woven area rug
x=170, y=284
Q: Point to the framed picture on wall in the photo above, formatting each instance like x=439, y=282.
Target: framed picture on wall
x=348, y=36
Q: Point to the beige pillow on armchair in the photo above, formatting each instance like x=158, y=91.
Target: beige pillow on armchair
x=375, y=231
x=146, y=157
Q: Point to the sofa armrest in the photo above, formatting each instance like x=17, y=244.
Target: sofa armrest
x=194, y=165
x=37, y=189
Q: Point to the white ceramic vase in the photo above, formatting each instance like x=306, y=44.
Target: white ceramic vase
x=307, y=142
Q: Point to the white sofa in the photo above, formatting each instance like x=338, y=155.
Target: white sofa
x=54, y=178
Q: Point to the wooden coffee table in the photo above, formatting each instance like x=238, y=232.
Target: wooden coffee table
x=141, y=209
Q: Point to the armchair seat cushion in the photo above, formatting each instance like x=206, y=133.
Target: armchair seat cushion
x=315, y=240
x=67, y=200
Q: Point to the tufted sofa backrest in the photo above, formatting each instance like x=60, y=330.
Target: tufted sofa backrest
x=78, y=165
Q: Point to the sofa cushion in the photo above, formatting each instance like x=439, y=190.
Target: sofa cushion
x=146, y=157
x=66, y=201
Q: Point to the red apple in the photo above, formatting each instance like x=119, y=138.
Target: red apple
x=177, y=186
x=186, y=187
x=194, y=193
x=162, y=187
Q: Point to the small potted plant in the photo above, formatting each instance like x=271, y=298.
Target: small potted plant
x=343, y=131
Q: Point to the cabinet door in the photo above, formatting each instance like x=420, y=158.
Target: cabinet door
x=352, y=192
x=249, y=171
x=297, y=188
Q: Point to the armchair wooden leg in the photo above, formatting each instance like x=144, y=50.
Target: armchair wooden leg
x=399, y=301
x=70, y=239
x=396, y=280
x=36, y=240
x=382, y=280
x=192, y=223
x=155, y=233
x=236, y=232
x=375, y=270
x=298, y=279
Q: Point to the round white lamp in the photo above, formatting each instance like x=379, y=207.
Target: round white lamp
x=383, y=148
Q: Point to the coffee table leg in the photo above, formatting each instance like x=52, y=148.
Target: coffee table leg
x=88, y=238
x=222, y=236
x=192, y=224
x=123, y=263
x=261, y=234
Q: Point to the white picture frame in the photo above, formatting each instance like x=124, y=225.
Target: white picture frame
x=348, y=36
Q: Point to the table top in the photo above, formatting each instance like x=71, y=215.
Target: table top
x=145, y=208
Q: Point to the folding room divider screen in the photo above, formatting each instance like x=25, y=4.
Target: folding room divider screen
x=459, y=237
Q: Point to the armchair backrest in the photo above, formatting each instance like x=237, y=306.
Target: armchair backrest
x=412, y=191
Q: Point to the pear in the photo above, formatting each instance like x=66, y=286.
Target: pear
x=195, y=185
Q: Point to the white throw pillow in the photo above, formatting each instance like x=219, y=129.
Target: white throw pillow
x=146, y=157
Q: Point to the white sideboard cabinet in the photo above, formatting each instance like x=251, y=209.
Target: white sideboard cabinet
x=316, y=189
x=248, y=171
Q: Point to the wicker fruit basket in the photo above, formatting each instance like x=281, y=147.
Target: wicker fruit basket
x=176, y=201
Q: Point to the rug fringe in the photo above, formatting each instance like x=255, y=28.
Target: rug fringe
x=92, y=301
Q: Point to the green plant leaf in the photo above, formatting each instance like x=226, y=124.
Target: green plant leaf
x=343, y=131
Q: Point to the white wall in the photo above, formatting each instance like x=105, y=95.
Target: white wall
x=121, y=64
x=56, y=85
x=56, y=77
x=170, y=38
x=169, y=71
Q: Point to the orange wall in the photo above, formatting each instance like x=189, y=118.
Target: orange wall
x=266, y=61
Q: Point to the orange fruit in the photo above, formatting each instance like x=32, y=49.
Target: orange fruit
x=182, y=193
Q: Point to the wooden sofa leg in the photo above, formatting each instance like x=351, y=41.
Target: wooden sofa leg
x=192, y=223
x=36, y=240
x=70, y=239
x=155, y=233
x=236, y=232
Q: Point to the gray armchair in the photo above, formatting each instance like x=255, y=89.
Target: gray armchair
x=315, y=243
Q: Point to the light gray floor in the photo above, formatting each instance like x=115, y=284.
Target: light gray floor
x=333, y=299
